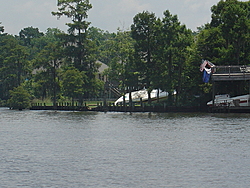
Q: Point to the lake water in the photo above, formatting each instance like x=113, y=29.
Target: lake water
x=146, y=150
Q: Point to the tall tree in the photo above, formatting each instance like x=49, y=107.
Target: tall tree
x=14, y=66
x=143, y=32
x=79, y=49
x=76, y=41
x=48, y=62
x=210, y=45
x=226, y=40
x=39, y=43
x=121, y=67
x=27, y=38
x=41, y=84
x=232, y=17
x=29, y=33
x=174, y=45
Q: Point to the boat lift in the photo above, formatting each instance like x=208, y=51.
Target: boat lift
x=230, y=73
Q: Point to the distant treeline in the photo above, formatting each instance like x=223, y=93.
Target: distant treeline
x=155, y=53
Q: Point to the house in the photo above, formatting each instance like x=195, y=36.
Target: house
x=101, y=71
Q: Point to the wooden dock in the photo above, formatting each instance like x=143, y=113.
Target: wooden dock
x=229, y=73
x=112, y=108
x=60, y=108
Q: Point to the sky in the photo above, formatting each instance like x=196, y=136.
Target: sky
x=108, y=15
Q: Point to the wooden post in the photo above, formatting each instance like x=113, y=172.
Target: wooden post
x=213, y=92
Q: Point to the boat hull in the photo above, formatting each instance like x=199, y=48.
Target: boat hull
x=142, y=95
x=226, y=100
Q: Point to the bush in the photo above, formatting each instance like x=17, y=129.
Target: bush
x=20, y=98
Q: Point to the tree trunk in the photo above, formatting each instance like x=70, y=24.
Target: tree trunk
x=54, y=84
x=158, y=95
x=170, y=99
x=149, y=97
x=130, y=100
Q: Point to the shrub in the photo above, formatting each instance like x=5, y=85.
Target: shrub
x=20, y=98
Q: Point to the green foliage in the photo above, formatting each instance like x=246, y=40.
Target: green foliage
x=161, y=50
x=156, y=53
x=73, y=83
x=143, y=31
x=48, y=61
x=175, y=55
x=120, y=65
x=105, y=43
x=77, y=45
x=1, y=28
x=79, y=50
x=39, y=43
x=14, y=66
x=77, y=11
x=231, y=20
x=20, y=98
x=210, y=44
x=225, y=41
x=29, y=33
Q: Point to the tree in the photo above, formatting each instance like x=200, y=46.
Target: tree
x=14, y=66
x=50, y=36
x=44, y=82
x=73, y=84
x=20, y=98
x=27, y=38
x=76, y=41
x=1, y=28
x=232, y=18
x=104, y=42
x=143, y=32
x=210, y=44
x=29, y=33
x=79, y=49
x=48, y=62
x=174, y=45
x=121, y=67
x=225, y=40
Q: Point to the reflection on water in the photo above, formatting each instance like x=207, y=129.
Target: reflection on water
x=91, y=149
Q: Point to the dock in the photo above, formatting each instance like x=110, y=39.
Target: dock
x=120, y=108
x=229, y=73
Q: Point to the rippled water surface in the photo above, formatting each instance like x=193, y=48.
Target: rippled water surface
x=90, y=149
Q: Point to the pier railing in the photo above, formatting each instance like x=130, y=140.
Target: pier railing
x=235, y=72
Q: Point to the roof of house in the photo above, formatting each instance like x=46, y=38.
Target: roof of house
x=102, y=67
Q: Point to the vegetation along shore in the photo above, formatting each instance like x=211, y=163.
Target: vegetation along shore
x=89, y=64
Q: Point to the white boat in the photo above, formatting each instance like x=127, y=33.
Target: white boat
x=137, y=96
x=226, y=100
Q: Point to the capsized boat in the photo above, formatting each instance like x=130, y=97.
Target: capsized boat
x=226, y=100
x=139, y=95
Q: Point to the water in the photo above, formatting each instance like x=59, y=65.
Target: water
x=90, y=149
